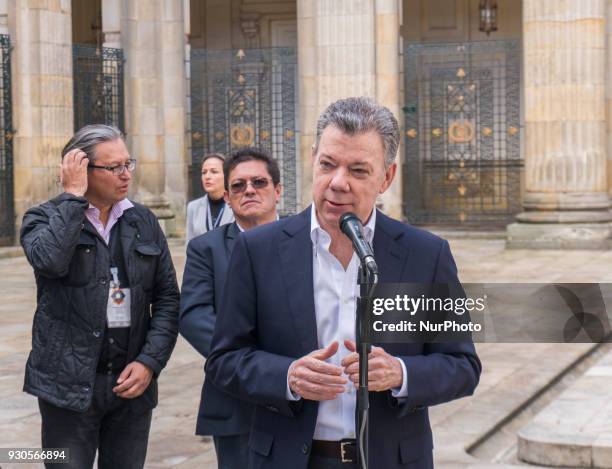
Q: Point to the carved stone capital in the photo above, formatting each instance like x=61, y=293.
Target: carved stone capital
x=249, y=23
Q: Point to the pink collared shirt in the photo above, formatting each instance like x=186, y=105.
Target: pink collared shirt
x=93, y=215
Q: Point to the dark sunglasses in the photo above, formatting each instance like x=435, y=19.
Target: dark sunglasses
x=239, y=186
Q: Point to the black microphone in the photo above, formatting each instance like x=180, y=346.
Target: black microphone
x=352, y=227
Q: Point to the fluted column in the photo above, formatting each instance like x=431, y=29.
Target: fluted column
x=387, y=85
x=111, y=23
x=609, y=91
x=154, y=46
x=566, y=201
x=345, y=48
x=4, y=27
x=41, y=66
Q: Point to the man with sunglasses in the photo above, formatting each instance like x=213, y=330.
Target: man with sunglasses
x=252, y=183
x=107, y=315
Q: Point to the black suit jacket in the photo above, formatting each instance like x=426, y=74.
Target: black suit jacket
x=203, y=283
x=271, y=322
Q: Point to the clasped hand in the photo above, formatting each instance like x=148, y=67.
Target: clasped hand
x=133, y=380
x=312, y=378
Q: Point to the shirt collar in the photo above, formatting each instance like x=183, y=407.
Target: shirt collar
x=117, y=209
x=319, y=235
x=242, y=230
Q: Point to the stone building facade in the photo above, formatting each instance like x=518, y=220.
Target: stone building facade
x=511, y=128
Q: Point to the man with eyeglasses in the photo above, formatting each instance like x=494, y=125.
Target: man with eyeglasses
x=107, y=315
x=252, y=182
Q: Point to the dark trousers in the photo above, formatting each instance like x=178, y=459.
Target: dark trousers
x=232, y=451
x=109, y=426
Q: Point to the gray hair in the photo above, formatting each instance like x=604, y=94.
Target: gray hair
x=86, y=138
x=358, y=115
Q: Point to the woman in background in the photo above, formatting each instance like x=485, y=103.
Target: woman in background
x=209, y=212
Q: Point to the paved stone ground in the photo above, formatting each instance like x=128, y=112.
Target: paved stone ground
x=569, y=433
x=513, y=373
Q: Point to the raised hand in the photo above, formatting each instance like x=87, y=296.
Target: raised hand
x=73, y=172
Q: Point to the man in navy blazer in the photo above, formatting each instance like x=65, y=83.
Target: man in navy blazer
x=284, y=340
x=252, y=183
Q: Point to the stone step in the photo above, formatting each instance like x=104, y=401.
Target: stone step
x=575, y=430
x=9, y=252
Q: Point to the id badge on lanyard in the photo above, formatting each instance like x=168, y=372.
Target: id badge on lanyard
x=118, y=306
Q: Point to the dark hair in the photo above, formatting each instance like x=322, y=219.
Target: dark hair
x=251, y=154
x=86, y=138
x=208, y=156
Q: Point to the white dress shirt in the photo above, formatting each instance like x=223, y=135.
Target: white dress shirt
x=335, y=294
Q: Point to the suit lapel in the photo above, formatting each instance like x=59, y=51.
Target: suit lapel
x=201, y=215
x=390, y=255
x=295, y=251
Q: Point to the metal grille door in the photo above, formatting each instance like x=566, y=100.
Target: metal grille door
x=98, y=86
x=245, y=97
x=462, y=141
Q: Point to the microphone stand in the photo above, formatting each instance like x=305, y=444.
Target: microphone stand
x=367, y=280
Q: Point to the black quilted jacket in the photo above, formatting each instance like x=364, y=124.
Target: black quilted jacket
x=72, y=268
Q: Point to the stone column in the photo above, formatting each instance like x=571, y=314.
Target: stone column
x=154, y=48
x=42, y=96
x=4, y=28
x=111, y=23
x=609, y=91
x=566, y=201
x=387, y=86
x=345, y=48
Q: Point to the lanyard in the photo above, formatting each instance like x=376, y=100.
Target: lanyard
x=209, y=218
x=114, y=272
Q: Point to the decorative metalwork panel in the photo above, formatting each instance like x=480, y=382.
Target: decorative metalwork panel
x=98, y=86
x=462, y=137
x=7, y=207
x=245, y=97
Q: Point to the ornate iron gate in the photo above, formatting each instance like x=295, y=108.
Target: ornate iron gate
x=7, y=207
x=462, y=115
x=245, y=97
x=98, y=86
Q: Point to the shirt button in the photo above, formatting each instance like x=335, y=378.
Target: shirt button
x=103, y=281
x=111, y=340
x=96, y=334
x=109, y=365
x=305, y=448
x=87, y=250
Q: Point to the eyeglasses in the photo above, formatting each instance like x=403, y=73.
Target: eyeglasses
x=239, y=186
x=118, y=170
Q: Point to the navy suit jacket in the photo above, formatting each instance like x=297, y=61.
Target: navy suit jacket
x=268, y=320
x=203, y=283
